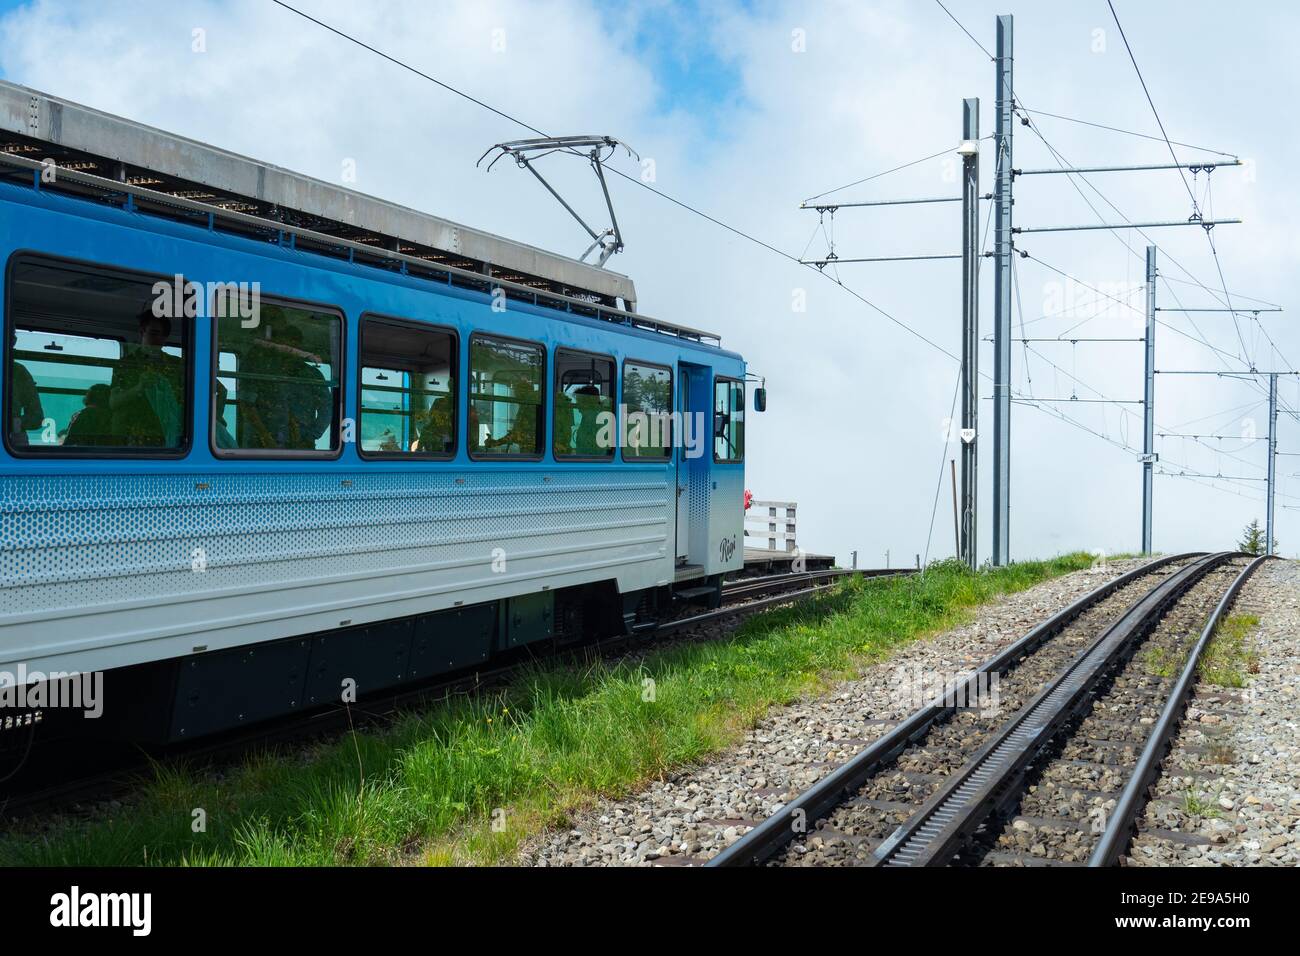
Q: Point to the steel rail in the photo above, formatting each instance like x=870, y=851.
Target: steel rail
x=748, y=585
x=742, y=586
x=667, y=627
x=770, y=836
x=1120, y=827
x=936, y=832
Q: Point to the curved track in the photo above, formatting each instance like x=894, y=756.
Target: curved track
x=941, y=786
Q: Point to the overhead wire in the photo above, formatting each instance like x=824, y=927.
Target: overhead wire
x=964, y=30
x=1127, y=132
x=640, y=182
x=1064, y=164
x=1196, y=209
x=696, y=211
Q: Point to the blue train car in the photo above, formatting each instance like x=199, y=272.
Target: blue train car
x=269, y=442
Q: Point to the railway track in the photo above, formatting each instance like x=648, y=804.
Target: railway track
x=1046, y=769
x=46, y=785
x=1133, y=702
x=786, y=579
x=749, y=595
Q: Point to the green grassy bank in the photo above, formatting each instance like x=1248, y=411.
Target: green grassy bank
x=468, y=779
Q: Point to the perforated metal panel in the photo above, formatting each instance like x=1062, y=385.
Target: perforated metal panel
x=698, y=491
x=252, y=548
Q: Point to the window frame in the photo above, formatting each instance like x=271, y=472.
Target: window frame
x=672, y=406
x=340, y=402
x=731, y=380
x=46, y=452
x=555, y=377
x=417, y=325
x=542, y=399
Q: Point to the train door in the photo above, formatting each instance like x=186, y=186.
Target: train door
x=683, y=467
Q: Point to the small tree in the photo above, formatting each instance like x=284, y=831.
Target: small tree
x=1253, y=539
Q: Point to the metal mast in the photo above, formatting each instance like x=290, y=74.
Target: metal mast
x=970, y=267
x=1272, y=458
x=1002, y=252
x=1149, y=404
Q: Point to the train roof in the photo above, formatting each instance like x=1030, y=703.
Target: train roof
x=149, y=169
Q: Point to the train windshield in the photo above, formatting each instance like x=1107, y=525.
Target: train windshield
x=728, y=420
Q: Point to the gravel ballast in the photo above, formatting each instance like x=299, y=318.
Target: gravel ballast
x=691, y=816
x=1230, y=794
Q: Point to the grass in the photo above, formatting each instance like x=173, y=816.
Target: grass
x=467, y=780
x=1227, y=660
x=1197, y=806
x=1161, y=662
x=1225, y=663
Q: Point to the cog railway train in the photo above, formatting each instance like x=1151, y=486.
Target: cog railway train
x=266, y=439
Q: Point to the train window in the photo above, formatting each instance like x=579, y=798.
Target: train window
x=408, y=390
x=94, y=365
x=584, y=420
x=728, y=420
x=277, y=382
x=648, y=404
x=505, y=397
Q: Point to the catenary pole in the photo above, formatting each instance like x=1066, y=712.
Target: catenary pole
x=970, y=134
x=1002, y=253
x=1272, y=459
x=1149, y=405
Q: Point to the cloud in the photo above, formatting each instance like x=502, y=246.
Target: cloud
x=741, y=123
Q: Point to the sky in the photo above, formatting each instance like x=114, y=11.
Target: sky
x=743, y=110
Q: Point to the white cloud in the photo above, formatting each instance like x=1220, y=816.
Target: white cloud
x=856, y=404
